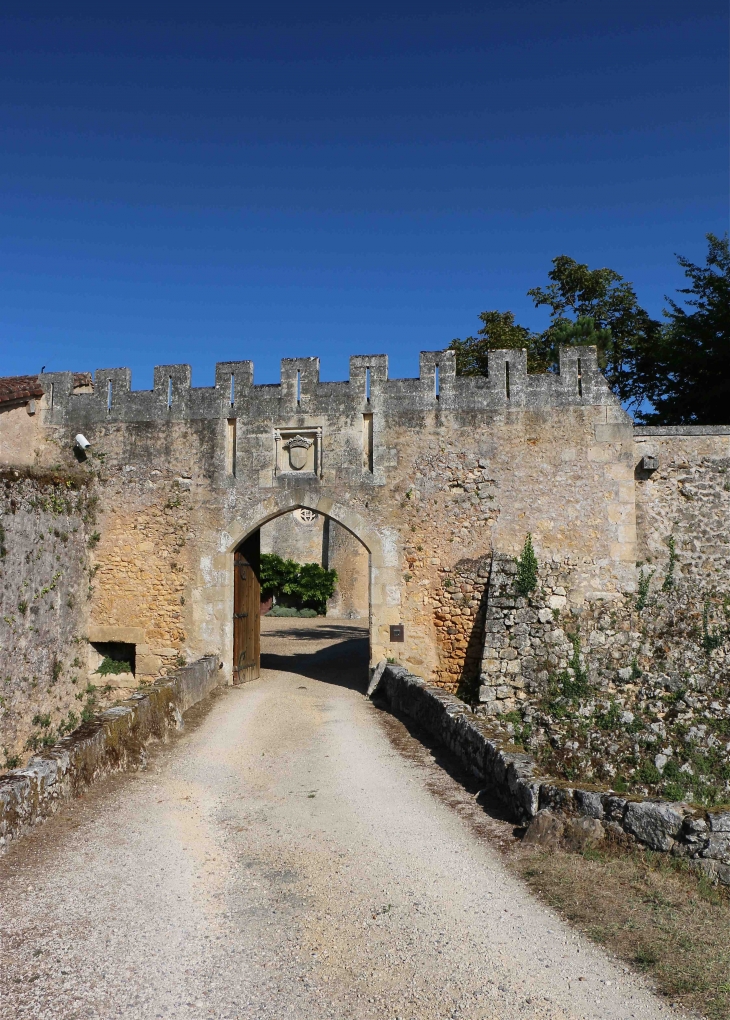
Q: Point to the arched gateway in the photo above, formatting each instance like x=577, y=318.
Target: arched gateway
x=431, y=474
x=246, y=589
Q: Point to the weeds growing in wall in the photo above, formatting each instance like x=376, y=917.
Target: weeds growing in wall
x=673, y=557
x=526, y=577
x=643, y=589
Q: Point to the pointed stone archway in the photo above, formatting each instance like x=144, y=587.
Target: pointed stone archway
x=384, y=609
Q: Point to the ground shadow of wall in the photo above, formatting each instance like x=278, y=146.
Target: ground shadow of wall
x=344, y=664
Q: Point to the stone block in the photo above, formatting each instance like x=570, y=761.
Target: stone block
x=719, y=821
x=653, y=822
x=718, y=847
x=589, y=803
x=148, y=665
x=582, y=833
x=545, y=830
x=104, y=634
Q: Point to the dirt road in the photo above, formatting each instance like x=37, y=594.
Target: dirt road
x=295, y=853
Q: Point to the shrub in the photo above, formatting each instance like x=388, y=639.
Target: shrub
x=648, y=773
x=710, y=639
x=576, y=685
x=306, y=585
x=526, y=579
x=290, y=611
x=609, y=719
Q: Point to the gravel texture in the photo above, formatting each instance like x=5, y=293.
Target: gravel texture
x=295, y=853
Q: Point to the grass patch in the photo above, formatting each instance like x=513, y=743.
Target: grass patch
x=649, y=909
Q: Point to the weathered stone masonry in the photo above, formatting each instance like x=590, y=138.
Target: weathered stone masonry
x=433, y=475
x=455, y=472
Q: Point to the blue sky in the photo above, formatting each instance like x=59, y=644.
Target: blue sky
x=201, y=185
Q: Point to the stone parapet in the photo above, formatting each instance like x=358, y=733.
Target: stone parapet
x=173, y=398
x=112, y=742
x=703, y=837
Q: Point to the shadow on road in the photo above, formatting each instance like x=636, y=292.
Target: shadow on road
x=338, y=633
x=411, y=739
x=344, y=663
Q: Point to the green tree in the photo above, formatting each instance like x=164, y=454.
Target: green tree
x=277, y=576
x=688, y=378
x=315, y=586
x=304, y=585
x=583, y=331
x=599, y=307
x=499, y=332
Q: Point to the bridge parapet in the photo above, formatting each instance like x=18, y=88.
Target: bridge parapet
x=173, y=398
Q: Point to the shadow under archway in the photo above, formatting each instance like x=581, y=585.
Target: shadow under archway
x=331, y=651
x=334, y=648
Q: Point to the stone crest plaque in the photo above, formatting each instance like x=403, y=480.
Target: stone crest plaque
x=298, y=451
x=298, y=448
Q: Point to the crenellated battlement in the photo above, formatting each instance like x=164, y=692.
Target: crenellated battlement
x=235, y=395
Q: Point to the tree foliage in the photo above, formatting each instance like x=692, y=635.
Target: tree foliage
x=688, y=377
x=622, y=330
x=304, y=585
x=499, y=332
x=681, y=368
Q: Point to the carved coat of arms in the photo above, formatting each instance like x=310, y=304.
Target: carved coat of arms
x=298, y=450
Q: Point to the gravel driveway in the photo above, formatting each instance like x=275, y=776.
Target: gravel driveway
x=295, y=853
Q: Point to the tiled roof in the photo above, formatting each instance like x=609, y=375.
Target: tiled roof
x=15, y=388
x=18, y=388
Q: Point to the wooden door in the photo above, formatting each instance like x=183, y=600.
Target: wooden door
x=246, y=611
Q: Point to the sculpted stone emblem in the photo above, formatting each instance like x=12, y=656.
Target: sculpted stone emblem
x=298, y=448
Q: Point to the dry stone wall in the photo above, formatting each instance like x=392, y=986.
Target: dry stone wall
x=47, y=520
x=630, y=693
x=686, y=498
x=549, y=809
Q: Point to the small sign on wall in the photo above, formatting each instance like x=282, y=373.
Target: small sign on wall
x=396, y=632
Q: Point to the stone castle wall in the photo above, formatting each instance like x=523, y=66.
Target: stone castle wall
x=433, y=475
x=686, y=496
x=428, y=473
x=47, y=525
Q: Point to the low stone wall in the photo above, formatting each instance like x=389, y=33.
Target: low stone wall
x=701, y=836
x=112, y=742
x=509, y=773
